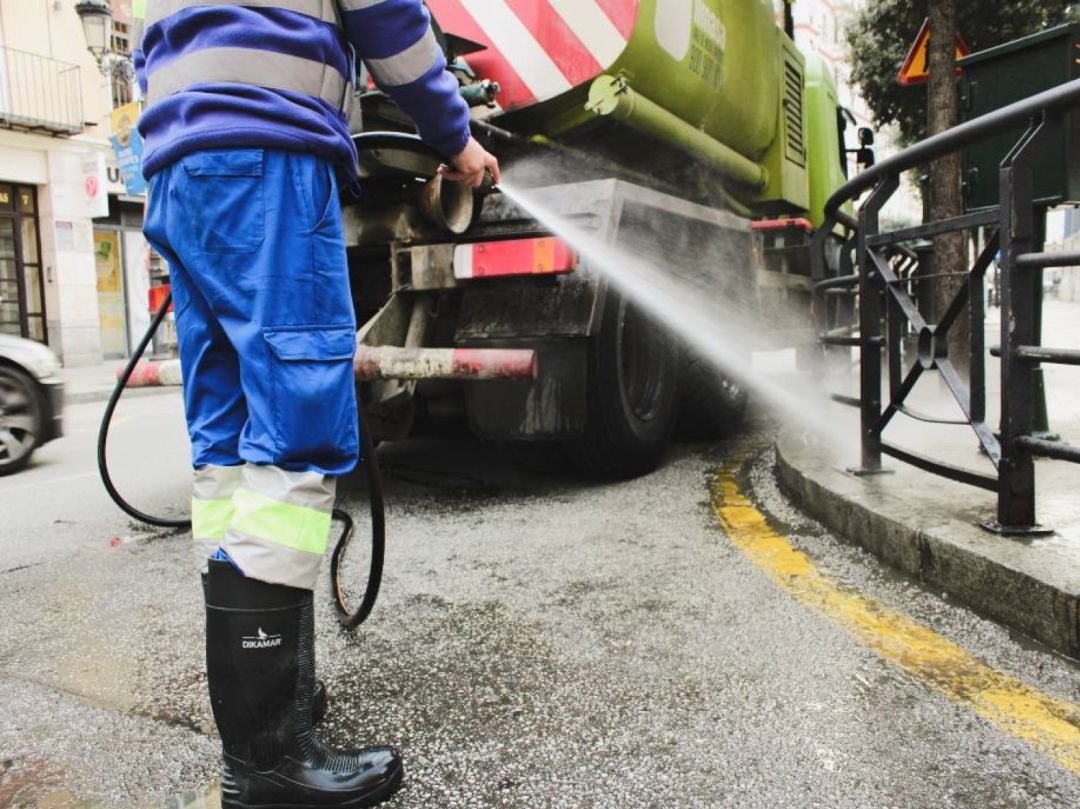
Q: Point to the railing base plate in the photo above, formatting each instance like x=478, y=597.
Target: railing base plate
x=860, y=472
x=1030, y=532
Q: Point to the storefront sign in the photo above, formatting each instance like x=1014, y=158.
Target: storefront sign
x=78, y=184
x=128, y=145
x=95, y=197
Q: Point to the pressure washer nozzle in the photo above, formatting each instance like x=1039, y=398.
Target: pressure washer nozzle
x=488, y=186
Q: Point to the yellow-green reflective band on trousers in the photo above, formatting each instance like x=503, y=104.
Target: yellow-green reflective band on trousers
x=298, y=527
x=251, y=66
x=210, y=518
x=324, y=10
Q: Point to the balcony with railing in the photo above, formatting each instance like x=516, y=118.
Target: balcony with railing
x=40, y=94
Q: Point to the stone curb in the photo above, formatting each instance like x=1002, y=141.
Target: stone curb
x=103, y=394
x=148, y=377
x=986, y=572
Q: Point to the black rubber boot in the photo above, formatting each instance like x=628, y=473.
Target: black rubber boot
x=318, y=698
x=260, y=663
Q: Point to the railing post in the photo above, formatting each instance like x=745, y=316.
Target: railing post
x=1041, y=428
x=1021, y=302
x=977, y=346
x=870, y=293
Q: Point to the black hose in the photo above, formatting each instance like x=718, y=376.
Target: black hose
x=106, y=421
x=352, y=619
x=348, y=619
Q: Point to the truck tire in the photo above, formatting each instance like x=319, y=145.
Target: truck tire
x=632, y=391
x=712, y=405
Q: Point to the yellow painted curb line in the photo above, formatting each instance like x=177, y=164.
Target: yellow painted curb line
x=1051, y=726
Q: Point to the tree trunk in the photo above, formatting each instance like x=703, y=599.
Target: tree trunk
x=944, y=188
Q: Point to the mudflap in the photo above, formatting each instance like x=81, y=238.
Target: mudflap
x=553, y=406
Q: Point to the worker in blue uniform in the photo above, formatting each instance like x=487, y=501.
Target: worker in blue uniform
x=245, y=135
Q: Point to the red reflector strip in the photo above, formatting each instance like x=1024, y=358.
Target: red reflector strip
x=782, y=224
x=542, y=256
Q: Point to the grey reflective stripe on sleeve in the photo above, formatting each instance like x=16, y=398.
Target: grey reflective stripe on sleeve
x=407, y=66
x=157, y=10
x=216, y=482
x=309, y=489
x=356, y=5
x=272, y=563
x=276, y=71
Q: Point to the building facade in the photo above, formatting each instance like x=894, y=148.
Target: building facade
x=72, y=259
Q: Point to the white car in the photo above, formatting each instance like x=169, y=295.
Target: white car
x=31, y=400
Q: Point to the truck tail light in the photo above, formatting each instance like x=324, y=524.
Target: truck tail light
x=545, y=255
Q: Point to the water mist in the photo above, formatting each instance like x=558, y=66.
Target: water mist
x=688, y=311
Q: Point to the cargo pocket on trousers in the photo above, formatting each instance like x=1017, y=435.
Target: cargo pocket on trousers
x=314, y=397
x=225, y=199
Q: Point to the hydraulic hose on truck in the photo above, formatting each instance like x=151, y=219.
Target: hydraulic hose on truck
x=348, y=618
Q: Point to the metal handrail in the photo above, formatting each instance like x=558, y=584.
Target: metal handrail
x=952, y=140
x=890, y=315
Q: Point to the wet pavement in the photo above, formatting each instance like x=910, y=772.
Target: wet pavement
x=537, y=643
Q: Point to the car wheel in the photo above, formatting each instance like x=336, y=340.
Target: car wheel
x=21, y=419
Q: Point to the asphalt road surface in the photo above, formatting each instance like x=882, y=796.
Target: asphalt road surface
x=539, y=642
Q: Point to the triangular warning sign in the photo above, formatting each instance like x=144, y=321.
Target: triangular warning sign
x=916, y=69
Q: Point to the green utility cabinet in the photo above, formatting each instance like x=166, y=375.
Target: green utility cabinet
x=997, y=77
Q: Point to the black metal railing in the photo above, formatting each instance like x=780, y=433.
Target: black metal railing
x=39, y=93
x=878, y=276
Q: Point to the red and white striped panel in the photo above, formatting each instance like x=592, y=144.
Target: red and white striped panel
x=538, y=49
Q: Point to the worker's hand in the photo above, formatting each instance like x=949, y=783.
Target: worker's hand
x=470, y=165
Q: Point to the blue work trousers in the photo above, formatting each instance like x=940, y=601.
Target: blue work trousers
x=267, y=334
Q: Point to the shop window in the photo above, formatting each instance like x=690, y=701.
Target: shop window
x=121, y=78
x=22, y=283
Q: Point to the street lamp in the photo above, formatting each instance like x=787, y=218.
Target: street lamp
x=96, y=17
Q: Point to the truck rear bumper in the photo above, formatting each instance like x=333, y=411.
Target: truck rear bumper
x=472, y=364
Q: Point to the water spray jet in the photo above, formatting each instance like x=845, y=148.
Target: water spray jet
x=682, y=310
